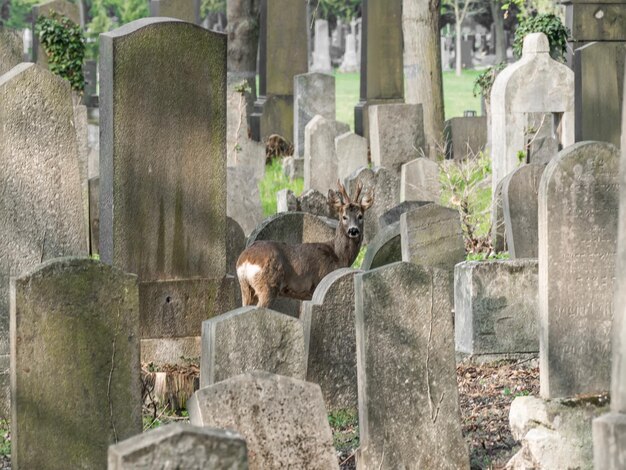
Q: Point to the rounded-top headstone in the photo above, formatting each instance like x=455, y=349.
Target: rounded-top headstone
x=294, y=227
x=535, y=43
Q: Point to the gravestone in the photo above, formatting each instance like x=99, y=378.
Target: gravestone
x=62, y=7
x=520, y=191
x=396, y=133
x=349, y=63
x=467, y=50
x=41, y=205
x=94, y=216
x=314, y=94
x=496, y=307
x=498, y=229
x=380, y=51
x=541, y=139
x=85, y=316
x=321, y=51
x=274, y=343
x=393, y=215
x=186, y=10
x=384, y=248
x=419, y=180
x=244, y=198
x=351, y=151
x=163, y=194
x=316, y=203
x=235, y=244
x=408, y=399
x=282, y=419
x=320, y=158
x=599, y=82
x=282, y=56
x=180, y=445
x=578, y=204
x=294, y=227
x=465, y=136
x=286, y=201
x=431, y=236
x=10, y=49
x=328, y=320
x=534, y=84
x=386, y=188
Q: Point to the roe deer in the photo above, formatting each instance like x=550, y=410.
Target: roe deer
x=267, y=269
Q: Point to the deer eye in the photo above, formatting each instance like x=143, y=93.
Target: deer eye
x=360, y=216
x=345, y=217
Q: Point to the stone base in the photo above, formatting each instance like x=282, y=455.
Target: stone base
x=529, y=359
x=609, y=441
x=556, y=433
x=179, y=351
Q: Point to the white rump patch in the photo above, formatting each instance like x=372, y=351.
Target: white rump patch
x=248, y=271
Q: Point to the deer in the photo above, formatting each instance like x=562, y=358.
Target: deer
x=268, y=269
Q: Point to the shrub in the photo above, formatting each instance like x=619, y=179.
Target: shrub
x=548, y=24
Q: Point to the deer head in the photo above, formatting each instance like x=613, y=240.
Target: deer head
x=350, y=210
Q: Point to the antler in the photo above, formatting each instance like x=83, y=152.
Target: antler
x=344, y=194
x=359, y=187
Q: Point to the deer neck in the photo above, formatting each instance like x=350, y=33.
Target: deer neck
x=346, y=248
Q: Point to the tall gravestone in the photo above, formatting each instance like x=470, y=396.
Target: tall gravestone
x=186, y=10
x=578, y=206
x=62, y=7
x=465, y=136
x=314, y=94
x=351, y=150
x=41, y=205
x=408, y=399
x=384, y=248
x=534, y=84
x=330, y=339
x=282, y=56
x=75, y=371
x=321, y=51
x=11, y=49
x=520, y=192
x=321, y=164
x=163, y=185
x=382, y=74
x=419, y=180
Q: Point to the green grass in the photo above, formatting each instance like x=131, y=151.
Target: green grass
x=273, y=182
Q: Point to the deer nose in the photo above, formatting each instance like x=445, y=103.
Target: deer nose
x=353, y=231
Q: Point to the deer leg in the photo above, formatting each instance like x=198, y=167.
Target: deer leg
x=247, y=293
x=266, y=296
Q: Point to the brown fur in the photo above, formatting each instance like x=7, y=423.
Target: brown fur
x=295, y=270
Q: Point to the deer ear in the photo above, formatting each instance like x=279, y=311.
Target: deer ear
x=367, y=200
x=334, y=200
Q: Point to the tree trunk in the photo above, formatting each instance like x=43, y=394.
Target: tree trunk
x=500, y=39
x=422, y=66
x=457, y=52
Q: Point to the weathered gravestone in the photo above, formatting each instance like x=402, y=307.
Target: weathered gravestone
x=244, y=198
x=520, y=191
x=314, y=94
x=386, y=188
x=382, y=77
x=10, y=49
x=235, y=244
x=384, y=248
x=41, y=205
x=282, y=56
x=599, y=82
x=294, y=227
x=534, y=84
x=321, y=165
x=431, y=236
x=181, y=446
x=321, y=51
x=396, y=133
x=75, y=371
x=465, y=136
x=393, y=215
x=163, y=194
x=408, y=400
x=578, y=205
x=186, y=10
x=351, y=151
x=282, y=419
x=274, y=342
x=64, y=8
x=496, y=307
x=330, y=339
x=609, y=430
x=419, y=180
x=350, y=63
x=497, y=219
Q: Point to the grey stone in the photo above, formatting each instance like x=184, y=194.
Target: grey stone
x=609, y=441
x=41, y=211
x=282, y=419
x=351, y=151
x=520, y=191
x=186, y=10
x=396, y=134
x=496, y=307
x=554, y=433
x=314, y=94
x=386, y=188
x=408, y=400
x=431, y=236
x=321, y=52
x=62, y=7
x=385, y=248
x=171, y=351
x=541, y=137
x=163, y=204
x=286, y=201
x=293, y=167
x=179, y=445
x=498, y=230
x=235, y=244
x=82, y=144
x=350, y=63
x=578, y=208
x=315, y=203
x=244, y=198
x=419, y=180
x=85, y=316
x=331, y=341
x=294, y=227
x=393, y=215
x=274, y=342
x=321, y=165
x=93, y=163
x=11, y=47
x=94, y=216
x=465, y=136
